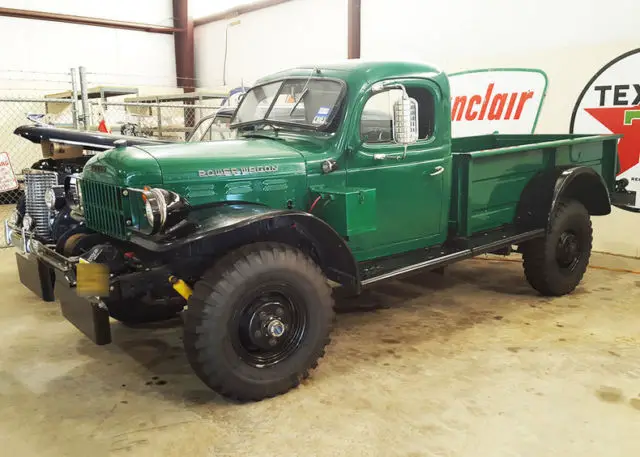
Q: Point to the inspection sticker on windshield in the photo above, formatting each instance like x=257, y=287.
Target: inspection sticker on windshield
x=321, y=115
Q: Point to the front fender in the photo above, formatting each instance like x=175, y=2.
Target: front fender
x=219, y=228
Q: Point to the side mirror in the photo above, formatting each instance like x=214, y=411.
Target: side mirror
x=405, y=121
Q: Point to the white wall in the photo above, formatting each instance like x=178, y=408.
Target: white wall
x=568, y=39
x=271, y=39
x=35, y=53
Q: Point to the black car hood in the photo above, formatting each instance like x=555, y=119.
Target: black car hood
x=94, y=141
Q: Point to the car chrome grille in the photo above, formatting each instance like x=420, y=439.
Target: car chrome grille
x=37, y=182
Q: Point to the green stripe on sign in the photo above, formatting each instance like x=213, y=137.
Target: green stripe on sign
x=631, y=115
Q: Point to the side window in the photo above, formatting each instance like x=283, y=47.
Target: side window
x=376, y=123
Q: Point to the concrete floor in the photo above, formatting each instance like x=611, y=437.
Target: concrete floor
x=469, y=364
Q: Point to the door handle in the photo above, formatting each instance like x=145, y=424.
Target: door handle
x=438, y=169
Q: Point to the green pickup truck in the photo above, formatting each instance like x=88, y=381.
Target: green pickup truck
x=340, y=176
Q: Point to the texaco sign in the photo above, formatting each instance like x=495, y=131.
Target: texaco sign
x=610, y=103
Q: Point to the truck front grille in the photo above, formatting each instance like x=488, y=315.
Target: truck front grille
x=37, y=182
x=103, y=210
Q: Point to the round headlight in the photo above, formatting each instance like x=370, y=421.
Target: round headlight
x=155, y=209
x=148, y=210
x=54, y=198
x=27, y=222
x=50, y=198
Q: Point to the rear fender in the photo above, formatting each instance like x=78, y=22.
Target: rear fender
x=543, y=192
x=221, y=228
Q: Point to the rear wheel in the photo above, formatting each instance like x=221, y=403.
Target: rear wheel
x=258, y=322
x=554, y=265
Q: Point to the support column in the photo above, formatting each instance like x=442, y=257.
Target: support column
x=184, y=46
x=354, y=16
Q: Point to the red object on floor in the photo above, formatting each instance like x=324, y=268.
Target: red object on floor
x=102, y=127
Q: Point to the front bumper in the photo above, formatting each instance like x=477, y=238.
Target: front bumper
x=42, y=270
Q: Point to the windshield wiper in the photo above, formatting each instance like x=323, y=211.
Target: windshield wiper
x=304, y=92
x=260, y=135
x=262, y=122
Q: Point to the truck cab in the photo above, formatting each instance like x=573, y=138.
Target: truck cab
x=338, y=176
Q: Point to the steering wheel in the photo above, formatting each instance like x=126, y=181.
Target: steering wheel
x=378, y=135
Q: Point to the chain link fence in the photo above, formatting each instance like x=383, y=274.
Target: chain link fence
x=168, y=121
x=170, y=116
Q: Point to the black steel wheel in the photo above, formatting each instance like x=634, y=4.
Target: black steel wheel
x=555, y=265
x=258, y=322
x=568, y=251
x=270, y=327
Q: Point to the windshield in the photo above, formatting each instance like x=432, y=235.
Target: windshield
x=212, y=129
x=304, y=102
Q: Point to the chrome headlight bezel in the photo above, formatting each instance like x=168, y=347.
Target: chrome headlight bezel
x=50, y=198
x=28, y=223
x=54, y=198
x=155, y=208
x=163, y=209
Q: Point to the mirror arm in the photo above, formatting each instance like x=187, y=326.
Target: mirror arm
x=380, y=86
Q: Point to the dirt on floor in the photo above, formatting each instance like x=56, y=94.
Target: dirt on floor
x=473, y=363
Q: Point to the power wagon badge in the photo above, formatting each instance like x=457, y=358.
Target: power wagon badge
x=610, y=103
x=238, y=171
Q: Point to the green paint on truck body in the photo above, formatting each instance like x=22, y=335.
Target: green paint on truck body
x=382, y=207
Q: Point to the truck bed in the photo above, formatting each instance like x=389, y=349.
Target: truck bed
x=491, y=171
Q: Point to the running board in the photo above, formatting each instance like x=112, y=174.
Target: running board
x=432, y=262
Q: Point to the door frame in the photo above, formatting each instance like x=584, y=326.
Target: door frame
x=438, y=141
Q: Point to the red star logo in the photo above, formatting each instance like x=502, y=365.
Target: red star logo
x=615, y=119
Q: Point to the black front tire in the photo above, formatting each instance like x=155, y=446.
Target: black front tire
x=228, y=319
x=555, y=265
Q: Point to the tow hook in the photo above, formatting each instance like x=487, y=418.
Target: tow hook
x=181, y=287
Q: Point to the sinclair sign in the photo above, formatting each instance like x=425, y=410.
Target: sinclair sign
x=503, y=100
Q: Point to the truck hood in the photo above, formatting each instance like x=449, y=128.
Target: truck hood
x=243, y=169
x=242, y=158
